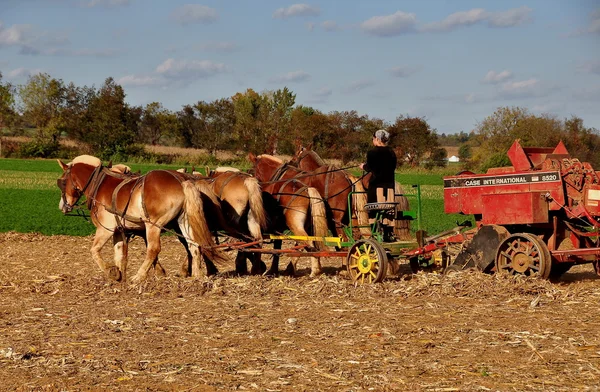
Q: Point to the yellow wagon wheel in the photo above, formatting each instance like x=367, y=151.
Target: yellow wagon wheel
x=367, y=262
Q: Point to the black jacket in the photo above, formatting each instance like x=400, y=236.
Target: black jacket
x=381, y=162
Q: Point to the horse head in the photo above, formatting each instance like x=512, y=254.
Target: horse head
x=307, y=159
x=76, y=177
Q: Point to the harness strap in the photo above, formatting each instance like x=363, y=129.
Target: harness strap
x=227, y=181
x=94, y=181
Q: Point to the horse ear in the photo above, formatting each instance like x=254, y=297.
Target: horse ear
x=62, y=165
x=252, y=157
x=310, y=146
x=109, y=164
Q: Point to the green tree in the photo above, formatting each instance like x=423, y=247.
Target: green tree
x=156, y=123
x=187, y=126
x=218, y=120
x=8, y=113
x=111, y=128
x=251, y=110
x=308, y=126
x=351, y=135
x=496, y=133
x=413, y=139
x=75, y=113
x=43, y=100
x=279, y=106
x=464, y=152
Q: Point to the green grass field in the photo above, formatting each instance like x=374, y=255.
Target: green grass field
x=29, y=199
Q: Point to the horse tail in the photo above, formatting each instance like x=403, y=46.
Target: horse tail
x=194, y=210
x=318, y=213
x=257, y=208
x=402, y=226
x=359, y=200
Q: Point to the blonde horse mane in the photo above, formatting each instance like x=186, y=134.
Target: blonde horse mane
x=270, y=158
x=87, y=159
x=121, y=168
x=225, y=169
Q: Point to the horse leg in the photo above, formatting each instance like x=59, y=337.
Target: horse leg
x=152, y=251
x=120, y=246
x=274, y=270
x=158, y=268
x=297, y=227
x=100, y=239
x=258, y=266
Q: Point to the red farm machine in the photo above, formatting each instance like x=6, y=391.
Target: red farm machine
x=538, y=217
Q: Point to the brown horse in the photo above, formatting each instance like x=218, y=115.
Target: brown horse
x=122, y=204
x=308, y=160
x=241, y=201
x=297, y=200
x=335, y=186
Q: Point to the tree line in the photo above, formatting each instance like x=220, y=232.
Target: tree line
x=271, y=122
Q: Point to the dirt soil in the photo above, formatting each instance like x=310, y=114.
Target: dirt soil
x=64, y=327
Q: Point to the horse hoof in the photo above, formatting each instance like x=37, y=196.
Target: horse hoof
x=114, y=273
x=289, y=271
x=136, y=280
x=160, y=271
x=258, y=269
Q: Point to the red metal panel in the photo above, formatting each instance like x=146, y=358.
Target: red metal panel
x=592, y=199
x=463, y=194
x=515, y=208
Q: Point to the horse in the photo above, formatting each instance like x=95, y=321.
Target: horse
x=123, y=204
x=241, y=200
x=307, y=159
x=297, y=201
x=335, y=186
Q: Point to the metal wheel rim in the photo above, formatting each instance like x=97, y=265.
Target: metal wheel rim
x=523, y=254
x=367, y=262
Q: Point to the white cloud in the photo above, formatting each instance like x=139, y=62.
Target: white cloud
x=140, y=80
x=509, y=18
x=462, y=18
x=294, y=76
x=296, y=10
x=390, y=25
x=493, y=77
x=358, y=85
x=194, y=13
x=530, y=88
x=17, y=35
x=22, y=72
x=330, y=25
x=190, y=69
x=403, y=71
x=310, y=26
x=106, y=3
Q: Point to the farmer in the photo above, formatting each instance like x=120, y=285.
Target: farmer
x=381, y=163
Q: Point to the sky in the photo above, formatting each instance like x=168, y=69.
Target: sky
x=451, y=62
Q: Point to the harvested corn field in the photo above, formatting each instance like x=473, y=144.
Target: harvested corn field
x=63, y=326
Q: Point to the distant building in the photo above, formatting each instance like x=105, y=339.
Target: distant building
x=453, y=158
